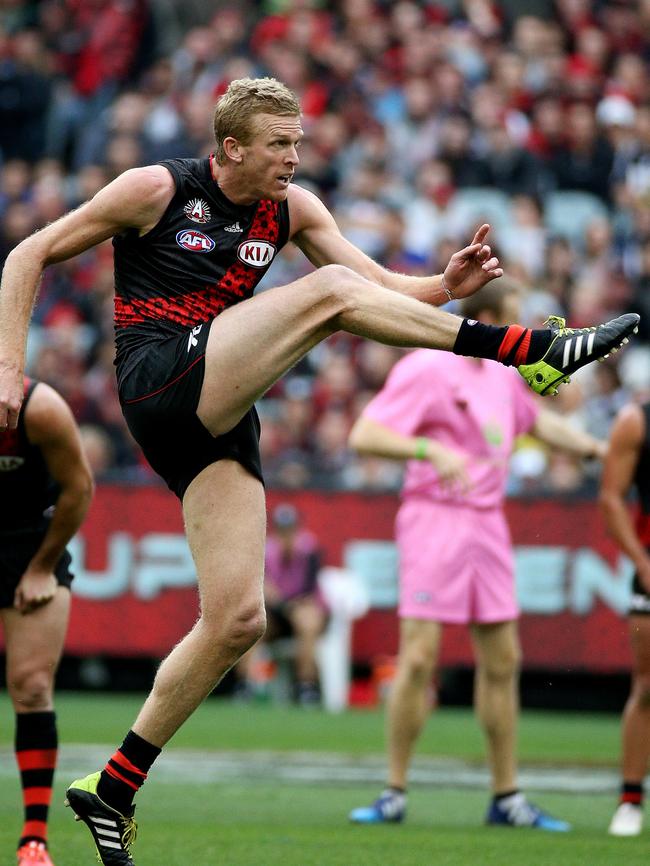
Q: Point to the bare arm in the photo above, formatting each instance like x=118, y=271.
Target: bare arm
x=50, y=426
x=315, y=232
x=370, y=437
x=626, y=440
x=556, y=431
x=136, y=199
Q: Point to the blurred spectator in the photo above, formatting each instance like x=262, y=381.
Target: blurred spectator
x=293, y=604
x=585, y=161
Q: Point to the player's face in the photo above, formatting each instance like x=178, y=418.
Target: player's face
x=270, y=160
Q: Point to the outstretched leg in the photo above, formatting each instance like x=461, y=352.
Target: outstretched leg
x=252, y=344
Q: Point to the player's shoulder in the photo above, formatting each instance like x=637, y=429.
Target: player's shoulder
x=46, y=412
x=305, y=207
x=146, y=180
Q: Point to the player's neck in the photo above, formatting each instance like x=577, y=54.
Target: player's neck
x=230, y=186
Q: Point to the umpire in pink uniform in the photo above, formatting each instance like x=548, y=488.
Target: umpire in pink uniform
x=455, y=420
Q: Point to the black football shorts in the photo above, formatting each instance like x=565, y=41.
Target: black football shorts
x=159, y=397
x=16, y=552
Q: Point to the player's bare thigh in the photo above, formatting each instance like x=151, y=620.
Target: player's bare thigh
x=252, y=344
x=225, y=522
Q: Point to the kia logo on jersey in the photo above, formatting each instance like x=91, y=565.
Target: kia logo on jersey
x=194, y=241
x=258, y=254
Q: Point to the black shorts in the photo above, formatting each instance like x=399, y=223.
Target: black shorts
x=159, y=397
x=16, y=551
x=640, y=598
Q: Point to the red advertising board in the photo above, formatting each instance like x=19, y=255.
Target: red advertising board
x=135, y=591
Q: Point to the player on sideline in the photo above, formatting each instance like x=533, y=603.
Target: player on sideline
x=455, y=420
x=46, y=487
x=192, y=239
x=627, y=465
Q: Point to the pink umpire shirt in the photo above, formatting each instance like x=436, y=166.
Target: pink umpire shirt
x=474, y=407
x=456, y=562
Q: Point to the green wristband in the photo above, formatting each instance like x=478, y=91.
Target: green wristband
x=421, y=446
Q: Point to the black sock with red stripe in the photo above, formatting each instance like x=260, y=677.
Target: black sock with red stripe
x=126, y=772
x=36, y=744
x=632, y=792
x=511, y=345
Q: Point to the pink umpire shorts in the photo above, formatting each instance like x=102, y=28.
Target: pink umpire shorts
x=456, y=563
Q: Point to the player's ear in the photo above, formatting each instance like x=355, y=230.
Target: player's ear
x=233, y=149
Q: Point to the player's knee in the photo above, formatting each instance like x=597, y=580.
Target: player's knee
x=245, y=628
x=334, y=285
x=418, y=665
x=30, y=688
x=501, y=669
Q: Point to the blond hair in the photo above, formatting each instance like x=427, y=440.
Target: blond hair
x=244, y=98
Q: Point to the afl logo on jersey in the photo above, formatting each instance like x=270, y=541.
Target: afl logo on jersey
x=198, y=211
x=194, y=241
x=258, y=254
x=9, y=463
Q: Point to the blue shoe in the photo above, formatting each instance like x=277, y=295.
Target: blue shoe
x=389, y=808
x=516, y=811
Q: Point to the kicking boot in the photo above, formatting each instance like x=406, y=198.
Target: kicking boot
x=516, y=811
x=33, y=853
x=388, y=808
x=113, y=832
x=573, y=348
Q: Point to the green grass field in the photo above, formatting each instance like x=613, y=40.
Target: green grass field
x=264, y=819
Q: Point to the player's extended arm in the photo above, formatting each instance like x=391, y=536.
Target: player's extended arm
x=369, y=437
x=315, y=232
x=135, y=199
x=626, y=440
x=557, y=432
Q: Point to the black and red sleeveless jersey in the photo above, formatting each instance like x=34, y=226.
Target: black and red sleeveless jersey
x=27, y=490
x=642, y=482
x=205, y=254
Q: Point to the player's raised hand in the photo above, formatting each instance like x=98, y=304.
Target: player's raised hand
x=472, y=267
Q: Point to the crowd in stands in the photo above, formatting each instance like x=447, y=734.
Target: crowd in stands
x=422, y=120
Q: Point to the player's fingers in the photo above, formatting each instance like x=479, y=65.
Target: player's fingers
x=492, y=275
x=481, y=234
x=484, y=253
x=467, y=252
x=490, y=264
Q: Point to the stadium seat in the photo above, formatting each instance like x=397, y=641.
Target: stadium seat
x=347, y=599
x=567, y=213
